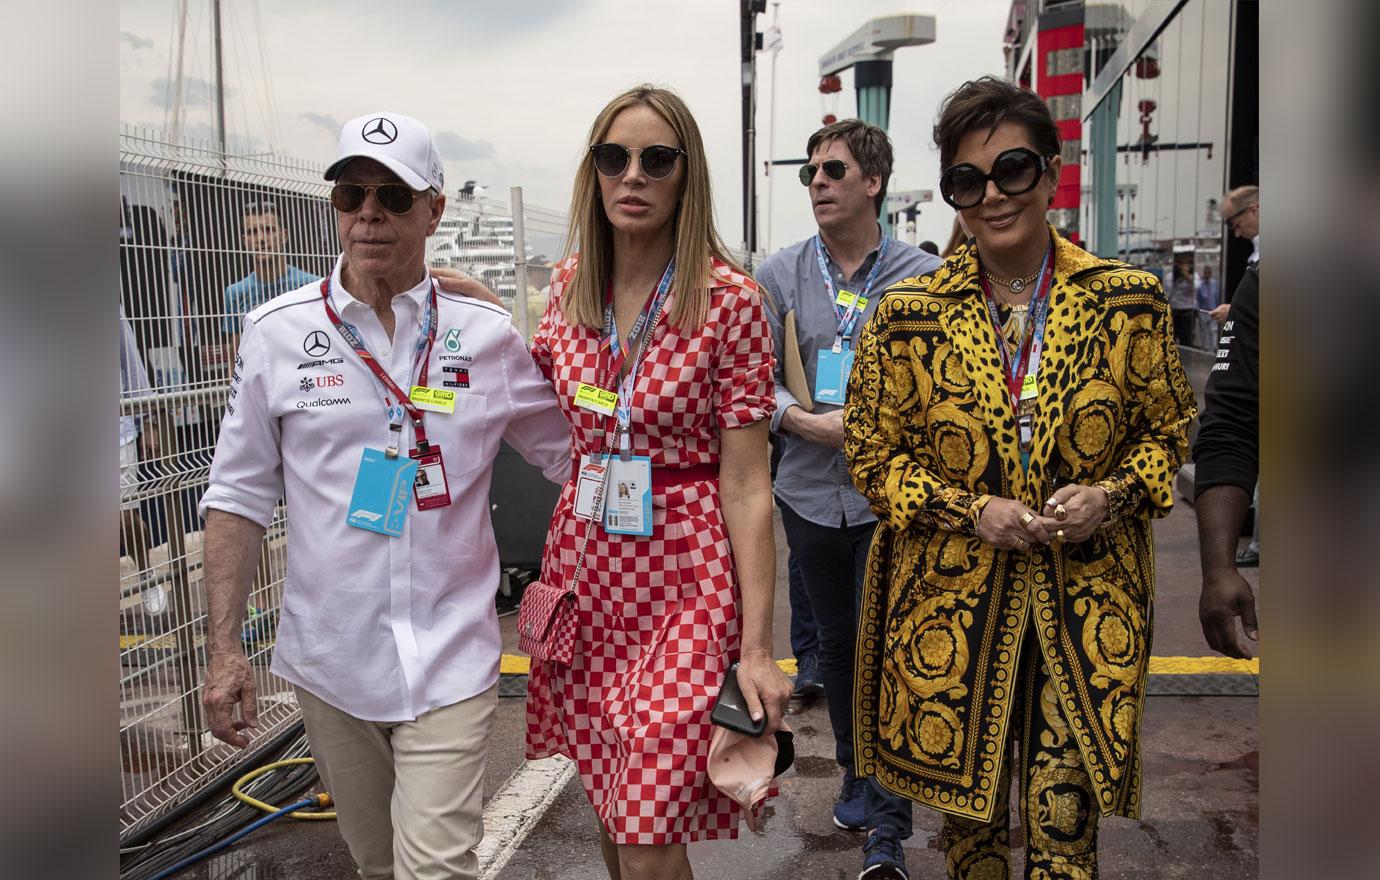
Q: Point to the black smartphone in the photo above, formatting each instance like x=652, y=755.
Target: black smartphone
x=730, y=709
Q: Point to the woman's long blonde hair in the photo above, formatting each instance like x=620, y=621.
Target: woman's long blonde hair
x=695, y=237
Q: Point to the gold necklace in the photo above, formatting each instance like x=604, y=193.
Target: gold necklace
x=1015, y=285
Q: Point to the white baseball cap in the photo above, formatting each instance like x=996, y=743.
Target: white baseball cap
x=399, y=143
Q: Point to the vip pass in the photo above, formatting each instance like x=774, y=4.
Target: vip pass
x=378, y=502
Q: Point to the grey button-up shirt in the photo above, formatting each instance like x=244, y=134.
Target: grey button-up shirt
x=813, y=479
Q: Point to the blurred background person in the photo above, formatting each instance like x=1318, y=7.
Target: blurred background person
x=1016, y=430
x=265, y=237
x=1183, y=303
x=136, y=433
x=1209, y=292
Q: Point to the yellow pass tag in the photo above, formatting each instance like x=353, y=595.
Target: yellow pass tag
x=1029, y=388
x=441, y=400
x=596, y=399
x=847, y=299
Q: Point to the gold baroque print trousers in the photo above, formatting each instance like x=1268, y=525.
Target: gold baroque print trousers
x=1058, y=806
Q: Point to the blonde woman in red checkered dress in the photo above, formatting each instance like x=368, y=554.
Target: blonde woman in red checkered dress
x=662, y=616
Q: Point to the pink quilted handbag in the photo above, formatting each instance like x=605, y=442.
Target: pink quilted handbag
x=547, y=623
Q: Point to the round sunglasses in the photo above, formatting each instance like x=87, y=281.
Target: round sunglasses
x=657, y=161
x=835, y=168
x=1015, y=171
x=395, y=198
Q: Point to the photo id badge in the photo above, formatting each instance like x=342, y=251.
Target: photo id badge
x=587, y=485
x=379, y=501
x=831, y=375
x=628, y=507
x=430, y=485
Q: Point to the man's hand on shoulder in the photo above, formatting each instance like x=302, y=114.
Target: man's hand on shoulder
x=826, y=429
x=457, y=282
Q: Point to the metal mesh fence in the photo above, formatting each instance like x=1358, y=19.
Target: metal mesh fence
x=204, y=238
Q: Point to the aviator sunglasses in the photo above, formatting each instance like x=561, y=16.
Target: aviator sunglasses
x=657, y=161
x=835, y=168
x=1015, y=171
x=396, y=198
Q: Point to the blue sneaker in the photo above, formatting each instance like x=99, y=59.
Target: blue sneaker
x=882, y=856
x=808, y=683
x=850, y=807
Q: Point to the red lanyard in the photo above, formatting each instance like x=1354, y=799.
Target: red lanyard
x=424, y=346
x=1029, y=356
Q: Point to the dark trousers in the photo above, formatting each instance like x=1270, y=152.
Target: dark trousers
x=804, y=630
x=832, y=563
x=1183, y=325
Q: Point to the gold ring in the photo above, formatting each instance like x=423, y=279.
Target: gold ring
x=1060, y=513
x=1027, y=518
x=1059, y=534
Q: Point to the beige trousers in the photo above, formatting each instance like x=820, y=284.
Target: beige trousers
x=408, y=794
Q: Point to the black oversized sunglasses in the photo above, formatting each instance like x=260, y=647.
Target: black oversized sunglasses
x=657, y=161
x=1015, y=171
x=835, y=168
x=396, y=198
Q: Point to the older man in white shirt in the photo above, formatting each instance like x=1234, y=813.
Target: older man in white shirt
x=374, y=403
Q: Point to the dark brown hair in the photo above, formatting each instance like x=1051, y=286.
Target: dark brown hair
x=868, y=144
x=987, y=102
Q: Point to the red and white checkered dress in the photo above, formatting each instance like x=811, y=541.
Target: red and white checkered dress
x=658, y=614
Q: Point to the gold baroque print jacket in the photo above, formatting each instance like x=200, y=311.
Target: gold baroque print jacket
x=929, y=431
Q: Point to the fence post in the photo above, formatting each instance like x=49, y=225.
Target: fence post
x=519, y=263
x=181, y=610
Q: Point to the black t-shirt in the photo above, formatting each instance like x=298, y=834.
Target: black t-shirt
x=1227, y=449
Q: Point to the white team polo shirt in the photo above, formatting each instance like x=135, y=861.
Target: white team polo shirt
x=383, y=628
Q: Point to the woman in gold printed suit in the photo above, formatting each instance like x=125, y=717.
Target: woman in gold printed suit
x=1015, y=419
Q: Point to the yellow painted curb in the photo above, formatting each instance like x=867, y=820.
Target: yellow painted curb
x=1202, y=665
x=517, y=664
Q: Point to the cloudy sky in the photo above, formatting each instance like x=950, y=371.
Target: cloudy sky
x=510, y=88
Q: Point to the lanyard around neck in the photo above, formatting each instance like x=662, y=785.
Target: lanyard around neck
x=848, y=317
x=1028, y=357
x=425, y=341
x=613, y=356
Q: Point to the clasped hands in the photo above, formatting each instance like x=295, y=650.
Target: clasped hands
x=1070, y=515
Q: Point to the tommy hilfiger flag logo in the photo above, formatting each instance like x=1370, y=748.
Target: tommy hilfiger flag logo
x=460, y=377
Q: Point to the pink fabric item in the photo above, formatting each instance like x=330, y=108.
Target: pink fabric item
x=741, y=767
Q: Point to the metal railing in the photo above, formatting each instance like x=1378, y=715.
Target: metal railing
x=205, y=237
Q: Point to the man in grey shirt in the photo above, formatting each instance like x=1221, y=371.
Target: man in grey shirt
x=832, y=283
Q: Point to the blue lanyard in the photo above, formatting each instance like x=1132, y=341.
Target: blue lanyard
x=848, y=318
x=642, y=331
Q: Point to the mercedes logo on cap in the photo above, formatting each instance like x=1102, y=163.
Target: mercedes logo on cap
x=380, y=130
x=316, y=344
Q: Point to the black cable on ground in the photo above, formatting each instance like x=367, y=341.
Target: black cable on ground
x=284, y=785
x=262, y=755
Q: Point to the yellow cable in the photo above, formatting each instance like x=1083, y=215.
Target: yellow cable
x=269, y=808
